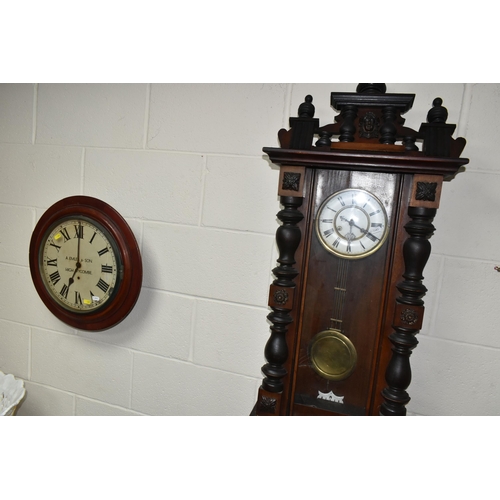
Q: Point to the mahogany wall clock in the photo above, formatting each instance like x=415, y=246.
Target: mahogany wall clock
x=359, y=196
x=85, y=263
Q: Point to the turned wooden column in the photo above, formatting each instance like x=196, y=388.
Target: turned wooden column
x=409, y=310
x=281, y=292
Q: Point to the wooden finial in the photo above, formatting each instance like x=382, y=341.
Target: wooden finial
x=371, y=88
x=306, y=109
x=438, y=113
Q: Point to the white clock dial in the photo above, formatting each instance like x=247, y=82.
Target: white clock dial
x=79, y=264
x=352, y=223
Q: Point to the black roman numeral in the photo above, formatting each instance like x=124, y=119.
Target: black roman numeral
x=55, y=277
x=103, y=285
x=79, y=231
x=64, y=291
x=65, y=233
x=57, y=247
x=341, y=201
x=103, y=251
x=328, y=232
x=106, y=269
x=374, y=213
x=52, y=262
x=377, y=224
x=78, y=298
x=92, y=239
x=336, y=242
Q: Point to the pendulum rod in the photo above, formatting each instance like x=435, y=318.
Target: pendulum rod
x=339, y=295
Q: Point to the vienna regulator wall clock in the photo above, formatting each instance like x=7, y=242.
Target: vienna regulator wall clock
x=85, y=263
x=359, y=197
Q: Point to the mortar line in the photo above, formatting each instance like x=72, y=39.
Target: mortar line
x=465, y=110
x=147, y=112
x=204, y=171
x=194, y=312
x=34, y=117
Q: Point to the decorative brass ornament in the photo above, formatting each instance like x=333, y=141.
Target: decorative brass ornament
x=333, y=355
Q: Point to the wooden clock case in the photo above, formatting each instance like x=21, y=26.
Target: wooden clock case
x=366, y=147
x=127, y=250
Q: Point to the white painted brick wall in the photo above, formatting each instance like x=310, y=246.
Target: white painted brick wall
x=16, y=110
x=37, y=175
x=184, y=165
x=75, y=364
x=100, y=115
x=218, y=118
x=152, y=185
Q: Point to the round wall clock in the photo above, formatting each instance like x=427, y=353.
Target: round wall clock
x=352, y=223
x=85, y=263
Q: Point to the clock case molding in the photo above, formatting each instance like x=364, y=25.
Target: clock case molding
x=368, y=140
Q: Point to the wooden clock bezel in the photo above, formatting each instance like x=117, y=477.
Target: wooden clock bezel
x=125, y=297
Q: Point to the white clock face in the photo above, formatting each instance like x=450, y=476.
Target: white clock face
x=79, y=264
x=352, y=223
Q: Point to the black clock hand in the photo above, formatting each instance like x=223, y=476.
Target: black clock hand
x=79, y=236
x=364, y=231
x=78, y=264
x=351, y=223
x=368, y=233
